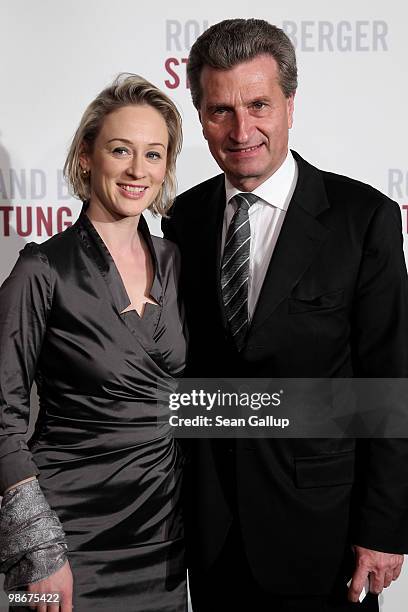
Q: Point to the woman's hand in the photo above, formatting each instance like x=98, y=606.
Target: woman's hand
x=60, y=582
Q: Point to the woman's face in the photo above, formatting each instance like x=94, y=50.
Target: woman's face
x=128, y=162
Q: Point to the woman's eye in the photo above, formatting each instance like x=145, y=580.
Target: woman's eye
x=121, y=151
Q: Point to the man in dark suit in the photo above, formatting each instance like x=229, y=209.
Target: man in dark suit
x=287, y=271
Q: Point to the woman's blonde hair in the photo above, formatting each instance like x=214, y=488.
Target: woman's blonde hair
x=126, y=90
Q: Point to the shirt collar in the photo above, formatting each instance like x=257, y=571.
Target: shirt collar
x=99, y=252
x=277, y=190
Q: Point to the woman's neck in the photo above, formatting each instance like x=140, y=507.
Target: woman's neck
x=119, y=234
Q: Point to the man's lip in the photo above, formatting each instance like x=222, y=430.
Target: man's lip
x=244, y=150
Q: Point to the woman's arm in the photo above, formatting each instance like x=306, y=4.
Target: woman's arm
x=33, y=547
x=19, y=483
x=25, y=302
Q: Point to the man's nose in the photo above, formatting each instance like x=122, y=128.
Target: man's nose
x=241, y=127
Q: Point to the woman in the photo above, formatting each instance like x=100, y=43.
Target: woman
x=93, y=316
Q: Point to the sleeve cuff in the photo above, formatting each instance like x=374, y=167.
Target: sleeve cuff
x=16, y=466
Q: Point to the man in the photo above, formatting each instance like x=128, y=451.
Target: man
x=301, y=276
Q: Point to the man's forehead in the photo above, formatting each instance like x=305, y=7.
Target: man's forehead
x=248, y=79
x=263, y=61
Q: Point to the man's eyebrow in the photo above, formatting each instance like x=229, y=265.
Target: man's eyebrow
x=215, y=105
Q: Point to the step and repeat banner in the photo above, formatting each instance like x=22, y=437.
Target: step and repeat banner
x=56, y=55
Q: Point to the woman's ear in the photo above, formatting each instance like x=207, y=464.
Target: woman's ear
x=84, y=160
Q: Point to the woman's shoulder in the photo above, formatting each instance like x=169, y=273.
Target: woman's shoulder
x=31, y=272
x=38, y=259
x=165, y=249
x=167, y=255
x=162, y=245
x=55, y=246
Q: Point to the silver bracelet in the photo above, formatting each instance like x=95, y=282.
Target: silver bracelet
x=32, y=540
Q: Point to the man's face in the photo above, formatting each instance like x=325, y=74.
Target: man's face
x=246, y=118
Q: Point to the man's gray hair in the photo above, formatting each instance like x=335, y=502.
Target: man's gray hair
x=233, y=41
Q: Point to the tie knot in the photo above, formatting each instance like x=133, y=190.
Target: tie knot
x=245, y=200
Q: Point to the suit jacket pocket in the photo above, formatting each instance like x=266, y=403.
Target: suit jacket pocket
x=299, y=304
x=324, y=470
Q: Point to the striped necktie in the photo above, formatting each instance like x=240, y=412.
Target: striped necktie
x=235, y=269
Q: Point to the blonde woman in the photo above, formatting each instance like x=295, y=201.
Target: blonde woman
x=93, y=316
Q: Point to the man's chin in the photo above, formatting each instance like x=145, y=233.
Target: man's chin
x=239, y=175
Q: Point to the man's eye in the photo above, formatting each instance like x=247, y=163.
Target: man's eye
x=258, y=105
x=153, y=155
x=220, y=111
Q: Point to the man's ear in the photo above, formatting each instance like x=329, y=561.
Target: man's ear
x=290, y=108
x=202, y=127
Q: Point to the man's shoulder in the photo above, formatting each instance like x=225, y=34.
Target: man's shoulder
x=360, y=201
x=339, y=184
x=209, y=188
x=345, y=191
x=190, y=206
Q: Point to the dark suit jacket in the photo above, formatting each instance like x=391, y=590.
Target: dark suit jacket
x=334, y=303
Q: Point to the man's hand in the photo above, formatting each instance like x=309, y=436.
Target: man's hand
x=60, y=582
x=381, y=569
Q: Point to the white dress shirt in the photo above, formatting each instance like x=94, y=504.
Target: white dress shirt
x=266, y=217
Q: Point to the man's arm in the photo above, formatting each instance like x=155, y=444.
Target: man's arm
x=380, y=349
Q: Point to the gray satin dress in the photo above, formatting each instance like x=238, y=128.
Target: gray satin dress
x=105, y=457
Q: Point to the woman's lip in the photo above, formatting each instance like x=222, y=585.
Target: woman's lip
x=132, y=185
x=133, y=195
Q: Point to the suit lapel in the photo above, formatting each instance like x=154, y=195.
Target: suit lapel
x=211, y=232
x=299, y=242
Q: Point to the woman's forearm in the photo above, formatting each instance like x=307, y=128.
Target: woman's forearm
x=19, y=483
x=33, y=540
